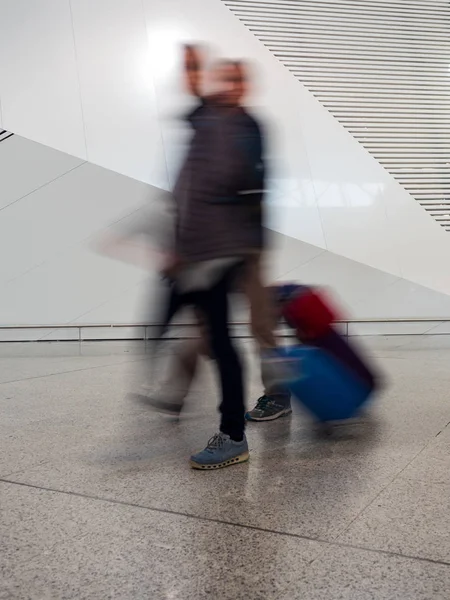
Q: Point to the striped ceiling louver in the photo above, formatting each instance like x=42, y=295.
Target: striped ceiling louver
x=382, y=68
x=4, y=135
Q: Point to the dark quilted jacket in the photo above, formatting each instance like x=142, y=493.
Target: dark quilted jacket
x=219, y=190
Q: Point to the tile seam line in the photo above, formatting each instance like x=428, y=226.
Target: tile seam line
x=299, y=266
x=125, y=362
x=77, y=69
x=372, y=502
x=223, y=522
x=43, y=185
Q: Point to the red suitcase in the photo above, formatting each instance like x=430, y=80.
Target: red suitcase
x=310, y=313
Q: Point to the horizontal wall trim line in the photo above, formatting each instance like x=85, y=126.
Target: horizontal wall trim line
x=82, y=332
x=344, y=25
x=344, y=22
x=341, y=29
x=357, y=3
x=370, y=4
x=340, y=60
x=395, y=38
x=359, y=41
x=412, y=22
x=375, y=44
x=339, y=12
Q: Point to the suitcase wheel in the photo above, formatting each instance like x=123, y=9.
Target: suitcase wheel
x=324, y=429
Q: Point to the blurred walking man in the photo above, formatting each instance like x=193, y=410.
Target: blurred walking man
x=232, y=80
x=219, y=228
x=218, y=197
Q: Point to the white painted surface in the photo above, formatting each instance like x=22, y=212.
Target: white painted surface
x=62, y=215
x=117, y=90
x=38, y=74
x=26, y=166
x=342, y=219
x=52, y=274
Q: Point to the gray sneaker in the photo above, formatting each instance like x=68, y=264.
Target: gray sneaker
x=268, y=409
x=221, y=451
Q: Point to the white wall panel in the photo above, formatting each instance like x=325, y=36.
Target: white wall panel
x=38, y=76
x=349, y=188
x=136, y=303
x=423, y=246
x=286, y=255
x=363, y=292
x=349, y=281
x=53, y=275
x=292, y=206
x=404, y=299
x=66, y=287
x=343, y=219
x=166, y=32
x=26, y=166
x=64, y=214
x=119, y=103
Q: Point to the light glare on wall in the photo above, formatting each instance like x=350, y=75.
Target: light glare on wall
x=164, y=51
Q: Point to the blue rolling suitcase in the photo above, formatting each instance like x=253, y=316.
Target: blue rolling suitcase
x=302, y=307
x=326, y=387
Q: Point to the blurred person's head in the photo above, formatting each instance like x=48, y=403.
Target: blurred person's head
x=230, y=82
x=194, y=57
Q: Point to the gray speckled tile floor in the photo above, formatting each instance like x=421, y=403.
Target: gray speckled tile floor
x=97, y=499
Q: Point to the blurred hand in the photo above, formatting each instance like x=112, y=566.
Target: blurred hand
x=171, y=265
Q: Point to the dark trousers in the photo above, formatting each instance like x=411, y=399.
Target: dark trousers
x=213, y=304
